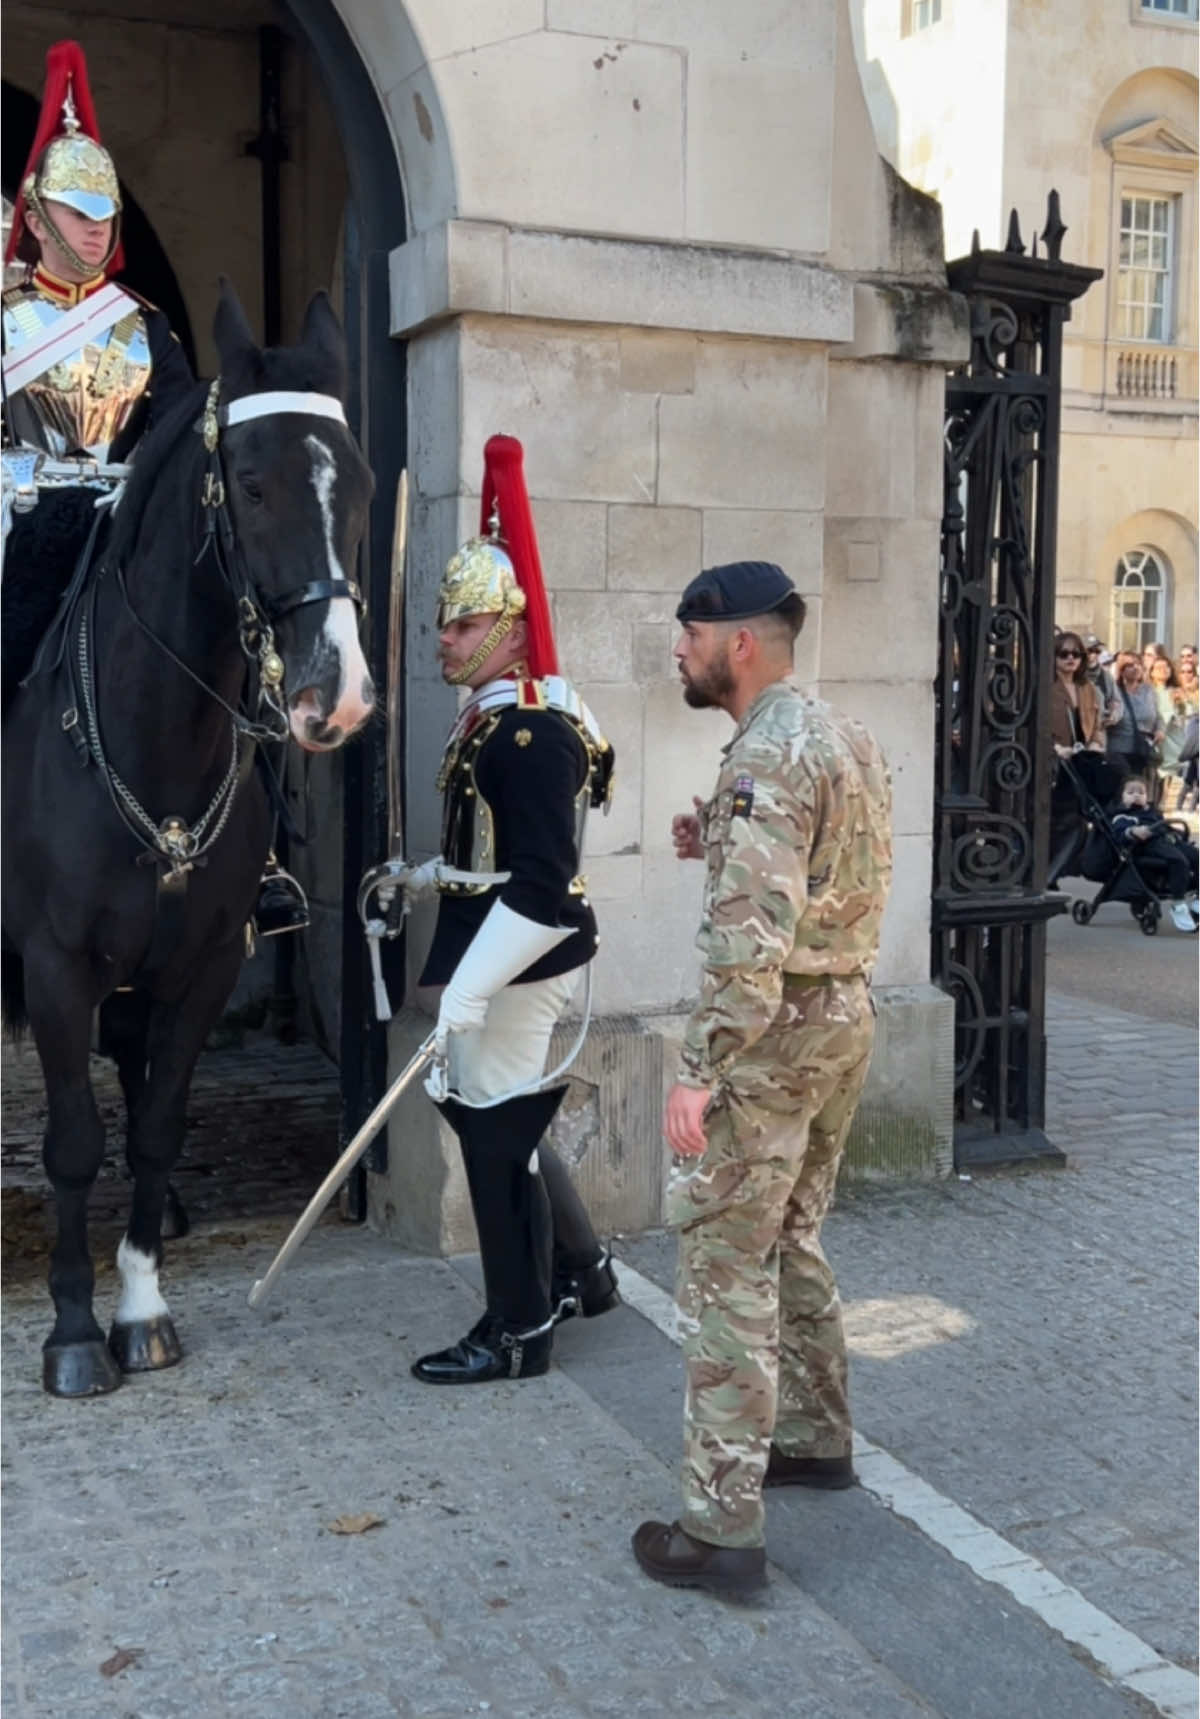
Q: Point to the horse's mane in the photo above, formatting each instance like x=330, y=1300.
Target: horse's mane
x=302, y=369
x=153, y=452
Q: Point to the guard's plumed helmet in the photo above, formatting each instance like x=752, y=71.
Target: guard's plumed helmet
x=500, y=571
x=67, y=164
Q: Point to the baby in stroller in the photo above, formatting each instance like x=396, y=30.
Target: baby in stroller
x=1163, y=855
x=1132, y=851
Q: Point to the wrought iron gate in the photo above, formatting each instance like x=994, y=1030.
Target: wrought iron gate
x=993, y=757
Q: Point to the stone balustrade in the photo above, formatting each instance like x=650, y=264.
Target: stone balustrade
x=1160, y=373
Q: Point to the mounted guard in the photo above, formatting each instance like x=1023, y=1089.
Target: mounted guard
x=89, y=367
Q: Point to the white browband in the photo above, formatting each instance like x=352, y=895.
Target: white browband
x=266, y=405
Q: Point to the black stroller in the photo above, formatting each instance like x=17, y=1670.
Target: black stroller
x=1096, y=852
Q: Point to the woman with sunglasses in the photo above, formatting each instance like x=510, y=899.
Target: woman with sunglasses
x=1076, y=707
x=1076, y=725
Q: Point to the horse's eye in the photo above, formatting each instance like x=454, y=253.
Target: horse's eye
x=249, y=486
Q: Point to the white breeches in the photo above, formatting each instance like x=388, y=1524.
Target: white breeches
x=511, y=1047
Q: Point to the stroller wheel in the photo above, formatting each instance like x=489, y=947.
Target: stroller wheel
x=1081, y=913
x=1150, y=921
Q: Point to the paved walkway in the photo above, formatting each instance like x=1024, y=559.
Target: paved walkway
x=1024, y=1344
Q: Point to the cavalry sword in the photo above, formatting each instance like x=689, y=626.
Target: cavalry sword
x=341, y=1170
x=388, y=915
x=395, y=641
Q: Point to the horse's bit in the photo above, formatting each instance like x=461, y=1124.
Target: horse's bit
x=173, y=842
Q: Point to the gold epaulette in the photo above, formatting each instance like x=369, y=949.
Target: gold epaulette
x=531, y=695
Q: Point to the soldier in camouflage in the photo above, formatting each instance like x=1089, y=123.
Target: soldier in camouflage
x=797, y=843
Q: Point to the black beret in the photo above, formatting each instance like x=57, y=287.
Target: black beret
x=735, y=592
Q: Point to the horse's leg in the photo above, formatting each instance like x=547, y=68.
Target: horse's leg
x=75, y=1358
x=124, y=1033
x=143, y=1336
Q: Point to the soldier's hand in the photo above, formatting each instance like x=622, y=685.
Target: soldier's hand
x=683, y=1120
x=685, y=833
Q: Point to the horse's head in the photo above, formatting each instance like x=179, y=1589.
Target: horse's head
x=298, y=490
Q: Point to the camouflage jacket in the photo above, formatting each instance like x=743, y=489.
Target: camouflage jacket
x=799, y=846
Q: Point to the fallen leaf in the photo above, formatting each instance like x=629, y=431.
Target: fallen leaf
x=498, y=1603
x=356, y=1524
x=121, y=1658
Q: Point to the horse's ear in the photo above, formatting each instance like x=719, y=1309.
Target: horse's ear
x=231, y=332
x=322, y=332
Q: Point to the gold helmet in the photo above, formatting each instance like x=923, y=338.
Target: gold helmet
x=501, y=574
x=68, y=163
x=480, y=579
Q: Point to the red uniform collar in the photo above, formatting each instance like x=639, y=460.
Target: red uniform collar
x=66, y=293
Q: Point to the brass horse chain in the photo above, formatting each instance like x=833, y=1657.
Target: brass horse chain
x=181, y=846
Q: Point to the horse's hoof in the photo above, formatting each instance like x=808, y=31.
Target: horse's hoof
x=79, y=1369
x=145, y=1345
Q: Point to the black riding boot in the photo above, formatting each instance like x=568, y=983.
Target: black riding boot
x=512, y=1216
x=282, y=904
x=584, y=1281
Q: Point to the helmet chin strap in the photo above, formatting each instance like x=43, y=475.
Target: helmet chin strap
x=501, y=630
x=87, y=270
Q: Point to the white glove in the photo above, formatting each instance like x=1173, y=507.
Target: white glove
x=505, y=944
x=420, y=881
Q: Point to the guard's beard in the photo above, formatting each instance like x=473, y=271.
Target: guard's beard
x=710, y=689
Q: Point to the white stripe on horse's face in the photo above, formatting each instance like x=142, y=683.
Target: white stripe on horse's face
x=352, y=699
x=140, y=1298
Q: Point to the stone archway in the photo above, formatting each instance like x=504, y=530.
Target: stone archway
x=182, y=100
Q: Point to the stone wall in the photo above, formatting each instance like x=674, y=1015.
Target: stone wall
x=717, y=365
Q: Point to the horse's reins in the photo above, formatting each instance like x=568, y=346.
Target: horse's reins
x=173, y=842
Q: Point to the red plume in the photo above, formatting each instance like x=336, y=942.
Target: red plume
x=504, y=488
x=66, y=70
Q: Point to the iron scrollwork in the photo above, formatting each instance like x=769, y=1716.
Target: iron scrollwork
x=993, y=757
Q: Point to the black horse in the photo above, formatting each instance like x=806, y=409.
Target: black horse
x=221, y=612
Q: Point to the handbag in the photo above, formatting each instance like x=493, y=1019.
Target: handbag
x=1190, y=734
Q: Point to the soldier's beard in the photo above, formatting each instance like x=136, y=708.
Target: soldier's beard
x=711, y=687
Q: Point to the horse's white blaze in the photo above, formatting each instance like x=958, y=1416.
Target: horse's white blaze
x=140, y=1298
x=341, y=620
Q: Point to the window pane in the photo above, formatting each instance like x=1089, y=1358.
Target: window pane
x=1154, y=325
x=1126, y=247
x=1158, y=251
x=1126, y=211
x=1160, y=215
x=1141, y=249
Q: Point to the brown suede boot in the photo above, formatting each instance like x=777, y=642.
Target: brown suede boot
x=828, y=1473
x=668, y=1554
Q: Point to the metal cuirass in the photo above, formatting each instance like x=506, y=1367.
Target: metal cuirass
x=81, y=403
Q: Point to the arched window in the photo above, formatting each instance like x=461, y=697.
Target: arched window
x=1139, y=602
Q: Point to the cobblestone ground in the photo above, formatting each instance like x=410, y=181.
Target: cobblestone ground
x=262, y=1132
x=1024, y=1343
x=1027, y=1343
x=188, y=1517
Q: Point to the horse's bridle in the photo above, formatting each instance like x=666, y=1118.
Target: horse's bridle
x=255, y=617
x=172, y=842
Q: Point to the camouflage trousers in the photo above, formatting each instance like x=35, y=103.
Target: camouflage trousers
x=764, y=1353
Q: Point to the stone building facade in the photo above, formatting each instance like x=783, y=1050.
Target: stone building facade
x=987, y=106
x=655, y=240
